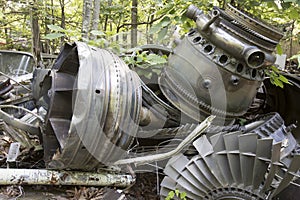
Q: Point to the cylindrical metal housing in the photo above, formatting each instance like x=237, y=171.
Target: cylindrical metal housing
x=94, y=109
x=218, y=67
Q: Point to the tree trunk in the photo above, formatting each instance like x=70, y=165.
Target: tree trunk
x=7, y=38
x=96, y=14
x=35, y=34
x=134, y=21
x=149, y=20
x=86, y=18
x=106, y=17
x=63, y=19
x=291, y=39
x=53, y=22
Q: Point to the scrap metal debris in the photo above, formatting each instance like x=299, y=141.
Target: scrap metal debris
x=80, y=122
x=54, y=177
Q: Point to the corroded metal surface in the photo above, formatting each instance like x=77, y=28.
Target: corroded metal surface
x=53, y=177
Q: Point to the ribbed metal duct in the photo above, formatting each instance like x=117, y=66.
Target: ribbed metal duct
x=94, y=108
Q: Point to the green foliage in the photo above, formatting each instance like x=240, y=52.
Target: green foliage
x=56, y=28
x=176, y=195
x=72, y=36
x=276, y=77
x=156, y=20
x=279, y=49
x=144, y=63
x=52, y=36
x=296, y=56
x=97, y=33
x=292, y=1
x=173, y=14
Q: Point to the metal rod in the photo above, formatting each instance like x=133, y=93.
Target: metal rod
x=151, y=158
x=55, y=177
x=17, y=82
x=25, y=109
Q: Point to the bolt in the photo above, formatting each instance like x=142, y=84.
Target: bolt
x=235, y=80
x=206, y=83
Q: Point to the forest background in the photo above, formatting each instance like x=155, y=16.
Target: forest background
x=43, y=26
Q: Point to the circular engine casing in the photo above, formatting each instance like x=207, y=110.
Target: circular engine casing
x=218, y=67
x=93, y=115
x=198, y=80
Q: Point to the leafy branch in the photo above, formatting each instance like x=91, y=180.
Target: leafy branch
x=58, y=32
x=144, y=63
x=276, y=77
x=176, y=194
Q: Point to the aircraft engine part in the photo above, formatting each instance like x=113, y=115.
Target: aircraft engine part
x=235, y=165
x=218, y=67
x=284, y=101
x=94, y=102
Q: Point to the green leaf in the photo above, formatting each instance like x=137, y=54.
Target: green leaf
x=172, y=11
x=274, y=69
x=177, y=192
x=171, y=195
x=139, y=59
x=156, y=71
x=182, y=195
x=155, y=59
x=293, y=14
x=98, y=33
x=144, y=53
x=283, y=79
x=177, y=18
x=166, y=9
x=286, y=5
x=278, y=82
x=52, y=36
x=155, y=28
x=279, y=49
x=165, y=21
x=162, y=33
x=56, y=28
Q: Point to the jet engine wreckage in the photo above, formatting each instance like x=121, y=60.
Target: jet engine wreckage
x=92, y=114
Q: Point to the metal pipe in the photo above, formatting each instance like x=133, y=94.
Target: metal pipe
x=193, y=12
x=54, y=177
x=240, y=48
x=190, y=138
x=17, y=123
x=254, y=57
x=25, y=109
x=14, y=80
x=215, y=15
